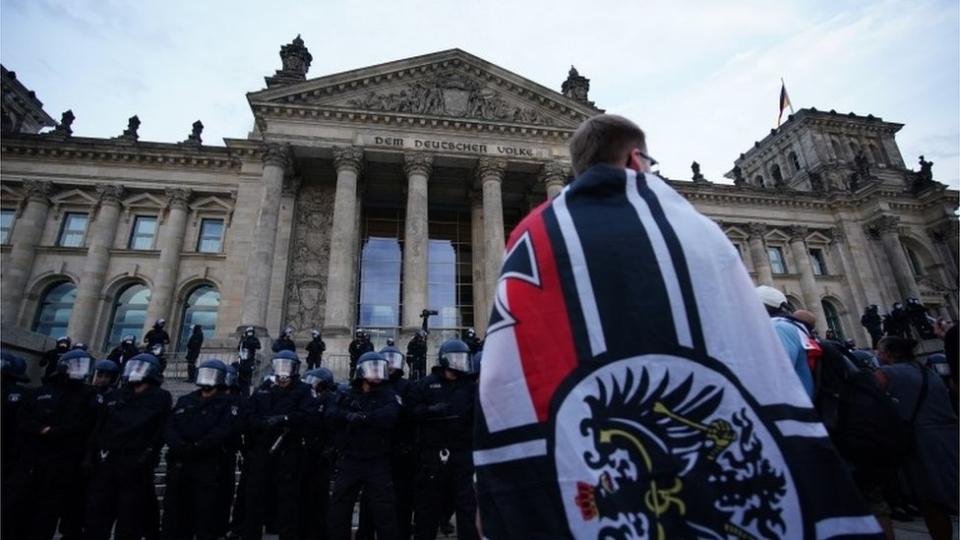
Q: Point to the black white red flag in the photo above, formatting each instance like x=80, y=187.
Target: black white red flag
x=633, y=386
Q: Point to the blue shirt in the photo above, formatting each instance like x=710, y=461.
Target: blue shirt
x=789, y=336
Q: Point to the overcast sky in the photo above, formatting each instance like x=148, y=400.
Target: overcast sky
x=701, y=77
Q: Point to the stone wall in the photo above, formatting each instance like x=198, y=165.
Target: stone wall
x=305, y=294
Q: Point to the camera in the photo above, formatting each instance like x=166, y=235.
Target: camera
x=428, y=312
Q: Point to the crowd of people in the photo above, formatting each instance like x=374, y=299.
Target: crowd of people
x=80, y=452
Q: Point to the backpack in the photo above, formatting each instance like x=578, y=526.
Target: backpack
x=860, y=416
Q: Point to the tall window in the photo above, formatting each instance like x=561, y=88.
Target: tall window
x=758, y=180
x=914, y=261
x=144, y=231
x=73, y=230
x=6, y=225
x=795, y=161
x=200, y=308
x=450, y=270
x=836, y=148
x=129, y=314
x=54, y=311
x=211, y=236
x=833, y=319
x=777, y=175
x=381, y=260
x=818, y=262
x=777, y=263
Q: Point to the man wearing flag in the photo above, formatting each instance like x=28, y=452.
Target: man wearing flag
x=632, y=385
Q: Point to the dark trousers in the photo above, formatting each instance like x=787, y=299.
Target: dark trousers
x=374, y=477
x=121, y=490
x=191, y=370
x=278, y=475
x=403, y=468
x=227, y=485
x=192, y=498
x=60, y=487
x=316, y=496
x=437, y=482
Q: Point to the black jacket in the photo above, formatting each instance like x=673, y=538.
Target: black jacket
x=284, y=343
x=444, y=410
x=366, y=421
x=318, y=436
x=357, y=348
x=252, y=345
x=194, y=344
x=405, y=433
x=274, y=410
x=50, y=359
x=156, y=335
x=14, y=395
x=417, y=348
x=68, y=408
x=121, y=354
x=201, y=427
x=133, y=423
x=315, y=350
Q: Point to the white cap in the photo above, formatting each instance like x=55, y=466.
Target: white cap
x=771, y=296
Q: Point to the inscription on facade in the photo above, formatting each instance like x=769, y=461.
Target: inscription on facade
x=456, y=146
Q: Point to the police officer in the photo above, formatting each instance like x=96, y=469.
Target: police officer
x=403, y=458
x=360, y=344
x=55, y=422
x=285, y=341
x=157, y=335
x=367, y=413
x=194, y=344
x=472, y=341
x=275, y=453
x=126, y=350
x=315, y=350
x=417, y=355
x=14, y=500
x=320, y=454
x=105, y=373
x=443, y=404
x=198, y=435
x=125, y=450
x=50, y=359
x=247, y=352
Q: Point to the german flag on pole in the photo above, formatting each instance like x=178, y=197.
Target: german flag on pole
x=784, y=101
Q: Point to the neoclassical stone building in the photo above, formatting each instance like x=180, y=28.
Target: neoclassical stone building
x=362, y=198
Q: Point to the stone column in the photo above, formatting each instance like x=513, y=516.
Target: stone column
x=758, y=253
x=852, y=293
x=348, y=161
x=481, y=301
x=554, y=175
x=887, y=228
x=490, y=175
x=943, y=237
x=256, y=294
x=808, y=284
x=101, y=237
x=26, y=236
x=417, y=166
x=168, y=267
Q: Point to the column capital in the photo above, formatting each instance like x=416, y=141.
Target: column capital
x=276, y=154
x=110, y=193
x=417, y=163
x=882, y=225
x=944, y=232
x=348, y=157
x=798, y=233
x=757, y=230
x=178, y=197
x=38, y=190
x=554, y=172
x=491, y=169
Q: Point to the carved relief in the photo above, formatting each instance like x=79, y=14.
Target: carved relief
x=306, y=283
x=451, y=93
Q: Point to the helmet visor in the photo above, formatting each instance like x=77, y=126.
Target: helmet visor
x=208, y=376
x=459, y=361
x=312, y=380
x=78, y=369
x=372, y=370
x=157, y=349
x=284, y=367
x=394, y=359
x=136, y=371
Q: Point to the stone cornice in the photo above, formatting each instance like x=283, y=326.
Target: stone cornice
x=417, y=163
x=111, y=151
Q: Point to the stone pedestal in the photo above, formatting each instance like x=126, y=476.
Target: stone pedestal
x=341, y=286
x=276, y=158
x=490, y=174
x=100, y=240
x=26, y=236
x=758, y=254
x=415, y=242
x=168, y=267
x=808, y=284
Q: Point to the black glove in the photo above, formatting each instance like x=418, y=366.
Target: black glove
x=355, y=417
x=438, y=408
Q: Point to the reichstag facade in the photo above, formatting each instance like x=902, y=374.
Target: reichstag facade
x=362, y=198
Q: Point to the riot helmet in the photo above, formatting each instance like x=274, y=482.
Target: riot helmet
x=232, y=379
x=13, y=367
x=455, y=355
x=285, y=364
x=288, y=331
x=78, y=346
x=77, y=365
x=63, y=342
x=471, y=332
x=315, y=333
x=391, y=342
x=250, y=331
x=319, y=378
x=371, y=367
x=141, y=368
x=105, y=372
x=393, y=356
x=160, y=323
x=211, y=373
x=128, y=340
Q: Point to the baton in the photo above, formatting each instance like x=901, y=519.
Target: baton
x=276, y=443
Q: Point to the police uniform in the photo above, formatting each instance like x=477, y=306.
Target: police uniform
x=444, y=410
x=315, y=350
x=198, y=435
x=367, y=421
x=14, y=502
x=250, y=344
x=274, y=457
x=320, y=456
x=126, y=448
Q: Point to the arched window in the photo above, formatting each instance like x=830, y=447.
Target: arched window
x=915, y=263
x=758, y=180
x=833, y=319
x=777, y=175
x=200, y=308
x=795, y=161
x=129, y=314
x=55, y=307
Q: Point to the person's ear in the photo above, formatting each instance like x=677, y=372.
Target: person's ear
x=633, y=161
